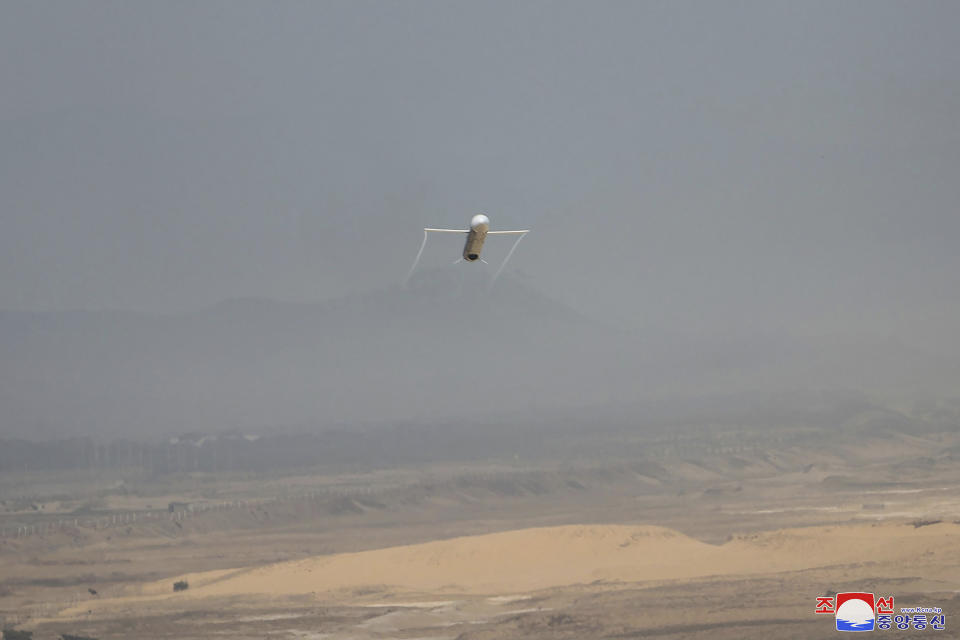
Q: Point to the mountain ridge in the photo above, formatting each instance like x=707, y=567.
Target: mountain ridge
x=447, y=348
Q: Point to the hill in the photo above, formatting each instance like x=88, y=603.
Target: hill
x=448, y=349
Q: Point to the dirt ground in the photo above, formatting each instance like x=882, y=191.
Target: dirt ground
x=729, y=540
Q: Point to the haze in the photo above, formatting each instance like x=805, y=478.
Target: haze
x=725, y=198
x=714, y=391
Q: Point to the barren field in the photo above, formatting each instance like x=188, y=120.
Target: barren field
x=676, y=536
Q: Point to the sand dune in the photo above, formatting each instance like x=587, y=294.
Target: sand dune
x=538, y=558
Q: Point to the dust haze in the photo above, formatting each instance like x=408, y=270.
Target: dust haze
x=732, y=329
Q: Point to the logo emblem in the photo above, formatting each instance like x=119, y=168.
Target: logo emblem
x=855, y=611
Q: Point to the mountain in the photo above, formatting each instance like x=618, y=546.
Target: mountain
x=449, y=348
x=443, y=347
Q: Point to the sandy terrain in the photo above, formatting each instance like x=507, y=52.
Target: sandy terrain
x=719, y=544
x=534, y=559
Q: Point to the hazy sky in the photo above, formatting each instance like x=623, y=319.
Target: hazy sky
x=789, y=165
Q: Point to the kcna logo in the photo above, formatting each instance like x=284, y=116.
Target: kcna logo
x=857, y=611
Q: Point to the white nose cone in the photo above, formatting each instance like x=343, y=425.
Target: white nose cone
x=480, y=222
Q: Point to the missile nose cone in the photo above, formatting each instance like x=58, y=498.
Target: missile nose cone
x=479, y=221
